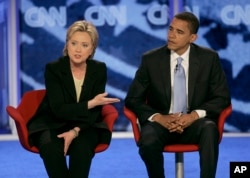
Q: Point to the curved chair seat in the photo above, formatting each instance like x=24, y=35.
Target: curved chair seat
x=27, y=108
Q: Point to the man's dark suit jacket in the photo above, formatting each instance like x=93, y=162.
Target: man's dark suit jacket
x=207, y=85
x=59, y=107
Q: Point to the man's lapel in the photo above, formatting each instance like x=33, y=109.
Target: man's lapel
x=194, y=63
x=166, y=73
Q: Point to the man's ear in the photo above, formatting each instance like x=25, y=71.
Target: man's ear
x=193, y=38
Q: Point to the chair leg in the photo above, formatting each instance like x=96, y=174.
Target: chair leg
x=179, y=165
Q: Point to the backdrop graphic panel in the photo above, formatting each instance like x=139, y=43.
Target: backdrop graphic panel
x=4, y=124
x=128, y=28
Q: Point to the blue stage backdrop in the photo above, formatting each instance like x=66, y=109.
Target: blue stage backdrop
x=127, y=28
x=4, y=120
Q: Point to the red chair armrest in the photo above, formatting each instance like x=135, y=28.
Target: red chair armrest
x=15, y=114
x=133, y=119
x=109, y=115
x=21, y=126
x=222, y=118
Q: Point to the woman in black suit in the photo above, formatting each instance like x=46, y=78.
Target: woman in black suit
x=68, y=120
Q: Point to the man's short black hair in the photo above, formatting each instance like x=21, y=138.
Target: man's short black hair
x=191, y=19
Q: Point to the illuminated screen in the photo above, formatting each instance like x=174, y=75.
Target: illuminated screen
x=128, y=28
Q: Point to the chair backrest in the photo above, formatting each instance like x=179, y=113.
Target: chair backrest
x=30, y=103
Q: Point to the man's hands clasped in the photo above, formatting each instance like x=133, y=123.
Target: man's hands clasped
x=176, y=122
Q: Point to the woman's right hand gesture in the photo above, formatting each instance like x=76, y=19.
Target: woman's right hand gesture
x=101, y=99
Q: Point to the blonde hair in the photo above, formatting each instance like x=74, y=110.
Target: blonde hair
x=82, y=26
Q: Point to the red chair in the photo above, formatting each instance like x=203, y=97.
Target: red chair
x=178, y=149
x=27, y=108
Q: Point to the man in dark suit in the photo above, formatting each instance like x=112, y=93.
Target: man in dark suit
x=151, y=97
